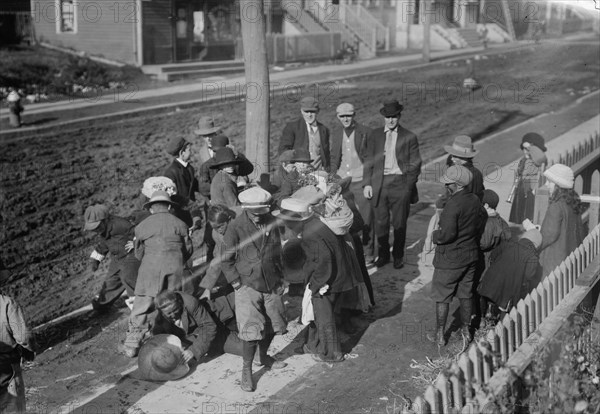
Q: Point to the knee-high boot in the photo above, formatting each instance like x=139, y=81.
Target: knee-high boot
x=441, y=314
x=466, y=307
x=249, y=350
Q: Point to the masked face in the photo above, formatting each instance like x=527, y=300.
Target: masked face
x=258, y=215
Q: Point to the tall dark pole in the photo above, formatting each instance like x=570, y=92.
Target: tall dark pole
x=257, y=84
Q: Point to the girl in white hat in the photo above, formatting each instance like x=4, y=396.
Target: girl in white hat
x=562, y=228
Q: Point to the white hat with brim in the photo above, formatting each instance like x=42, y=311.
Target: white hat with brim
x=293, y=209
x=159, y=359
x=159, y=197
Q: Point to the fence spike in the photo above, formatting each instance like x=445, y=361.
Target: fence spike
x=444, y=387
x=458, y=391
x=432, y=397
x=523, y=311
x=420, y=406
x=514, y=315
x=477, y=360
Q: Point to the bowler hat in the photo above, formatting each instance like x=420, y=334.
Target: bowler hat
x=309, y=104
x=224, y=156
x=255, y=198
x=391, y=108
x=293, y=209
x=175, y=145
x=94, y=215
x=457, y=174
x=206, y=126
x=159, y=196
x=219, y=141
x=534, y=139
x=160, y=359
x=461, y=147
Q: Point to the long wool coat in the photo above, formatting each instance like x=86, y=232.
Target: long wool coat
x=163, y=244
x=562, y=232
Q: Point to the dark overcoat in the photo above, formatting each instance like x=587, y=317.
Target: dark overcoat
x=460, y=227
x=295, y=136
x=514, y=271
x=407, y=155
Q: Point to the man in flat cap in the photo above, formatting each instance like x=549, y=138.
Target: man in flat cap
x=457, y=250
x=391, y=168
x=348, y=145
x=309, y=134
x=183, y=175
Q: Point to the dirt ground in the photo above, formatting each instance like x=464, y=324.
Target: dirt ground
x=48, y=181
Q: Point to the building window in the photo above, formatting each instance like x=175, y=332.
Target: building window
x=66, y=22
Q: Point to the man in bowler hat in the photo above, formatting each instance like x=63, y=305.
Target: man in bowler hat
x=309, y=134
x=391, y=168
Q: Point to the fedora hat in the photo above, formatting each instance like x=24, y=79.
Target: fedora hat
x=293, y=209
x=255, y=198
x=391, y=108
x=159, y=196
x=457, y=174
x=206, y=126
x=461, y=147
x=224, y=156
x=94, y=215
x=159, y=359
x=219, y=141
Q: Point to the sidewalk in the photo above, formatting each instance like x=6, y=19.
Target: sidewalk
x=38, y=117
x=377, y=371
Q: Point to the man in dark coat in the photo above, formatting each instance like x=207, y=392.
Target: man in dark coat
x=391, y=169
x=183, y=175
x=348, y=151
x=457, y=250
x=202, y=326
x=116, y=235
x=251, y=262
x=309, y=134
x=327, y=275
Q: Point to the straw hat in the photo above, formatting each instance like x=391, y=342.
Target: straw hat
x=159, y=359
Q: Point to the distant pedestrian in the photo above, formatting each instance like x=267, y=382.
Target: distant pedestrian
x=527, y=177
x=391, y=168
x=252, y=264
x=348, y=149
x=309, y=134
x=116, y=236
x=16, y=343
x=562, y=228
x=163, y=245
x=457, y=251
x=182, y=173
x=15, y=109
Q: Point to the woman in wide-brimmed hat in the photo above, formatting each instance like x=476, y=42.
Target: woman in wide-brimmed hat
x=223, y=188
x=562, y=228
x=527, y=176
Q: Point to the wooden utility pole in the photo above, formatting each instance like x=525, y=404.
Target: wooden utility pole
x=254, y=42
x=426, y=31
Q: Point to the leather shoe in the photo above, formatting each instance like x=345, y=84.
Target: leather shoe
x=271, y=363
x=381, y=261
x=398, y=263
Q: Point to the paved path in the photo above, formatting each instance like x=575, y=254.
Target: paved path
x=393, y=334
